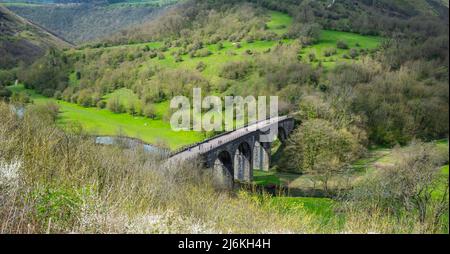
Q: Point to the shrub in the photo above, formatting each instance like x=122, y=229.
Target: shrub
x=48, y=92
x=342, y=45
x=133, y=109
x=85, y=98
x=413, y=187
x=329, y=52
x=149, y=111
x=204, y=52
x=7, y=78
x=320, y=149
x=21, y=98
x=161, y=56
x=152, y=54
x=101, y=104
x=178, y=59
x=4, y=93
x=353, y=53
x=57, y=95
x=114, y=105
x=235, y=70
x=201, y=66
x=59, y=207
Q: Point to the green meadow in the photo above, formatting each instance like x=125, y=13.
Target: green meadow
x=329, y=40
x=279, y=22
x=103, y=122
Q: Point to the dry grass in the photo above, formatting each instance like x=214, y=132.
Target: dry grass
x=54, y=181
x=65, y=183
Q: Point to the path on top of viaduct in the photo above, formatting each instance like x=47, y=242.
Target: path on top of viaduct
x=234, y=155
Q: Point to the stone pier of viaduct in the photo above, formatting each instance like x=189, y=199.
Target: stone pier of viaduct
x=234, y=155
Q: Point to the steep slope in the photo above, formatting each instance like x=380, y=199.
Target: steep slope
x=21, y=40
x=79, y=21
x=335, y=58
x=367, y=17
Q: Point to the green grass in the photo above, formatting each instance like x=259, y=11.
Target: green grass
x=125, y=96
x=329, y=39
x=265, y=178
x=103, y=122
x=441, y=185
x=217, y=59
x=279, y=22
x=322, y=208
x=231, y=53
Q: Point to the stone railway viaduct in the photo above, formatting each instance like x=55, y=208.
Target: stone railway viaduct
x=233, y=155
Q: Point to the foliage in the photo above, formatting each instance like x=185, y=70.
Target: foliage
x=406, y=188
x=235, y=70
x=319, y=149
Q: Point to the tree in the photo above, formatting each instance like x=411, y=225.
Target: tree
x=220, y=46
x=161, y=56
x=4, y=92
x=149, y=111
x=6, y=77
x=235, y=70
x=201, y=66
x=101, y=104
x=132, y=109
x=319, y=149
x=342, y=44
x=354, y=53
x=114, y=105
x=312, y=57
x=84, y=98
x=329, y=52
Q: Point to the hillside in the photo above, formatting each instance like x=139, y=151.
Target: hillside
x=81, y=21
x=21, y=40
x=364, y=17
x=258, y=51
x=365, y=82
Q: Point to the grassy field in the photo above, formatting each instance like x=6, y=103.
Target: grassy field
x=266, y=178
x=245, y=51
x=125, y=96
x=329, y=39
x=279, y=22
x=103, y=122
x=321, y=208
